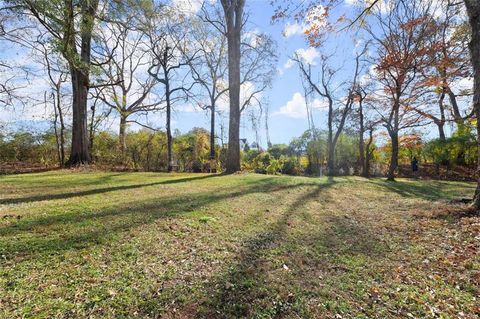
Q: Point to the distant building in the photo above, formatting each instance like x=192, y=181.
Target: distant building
x=243, y=142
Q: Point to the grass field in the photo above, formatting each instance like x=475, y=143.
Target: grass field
x=146, y=245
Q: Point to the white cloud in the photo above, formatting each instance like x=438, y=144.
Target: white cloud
x=292, y=29
x=365, y=79
x=296, y=107
x=309, y=56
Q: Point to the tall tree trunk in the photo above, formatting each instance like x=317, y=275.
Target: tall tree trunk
x=393, y=129
x=80, y=73
x=233, y=10
x=331, y=158
x=456, y=110
x=62, y=129
x=92, y=127
x=212, y=131
x=55, y=127
x=169, y=130
x=122, y=137
x=330, y=146
x=267, y=133
x=79, y=153
x=233, y=152
x=441, y=123
x=473, y=10
x=361, y=142
x=59, y=135
x=394, y=157
x=368, y=154
x=441, y=131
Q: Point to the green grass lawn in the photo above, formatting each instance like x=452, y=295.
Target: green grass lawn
x=147, y=245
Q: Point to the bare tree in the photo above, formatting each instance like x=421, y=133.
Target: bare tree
x=57, y=73
x=71, y=26
x=338, y=111
x=13, y=75
x=171, y=55
x=360, y=96
x=130, y=92
x=256, y=66
x=209, y=71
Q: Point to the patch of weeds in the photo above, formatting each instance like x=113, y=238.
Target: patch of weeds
x=206, y=219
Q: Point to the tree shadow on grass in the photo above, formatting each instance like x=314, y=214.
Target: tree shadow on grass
x=44, y=197
x=244, y=289
x=428, y=190
x=28, y=238
x=234, y=293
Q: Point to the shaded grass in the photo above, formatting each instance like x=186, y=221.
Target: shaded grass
x=126, y=245
x=426, y=189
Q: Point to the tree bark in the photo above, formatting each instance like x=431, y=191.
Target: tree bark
x=455, y=109
x=441, y=131
x=212, y=131
x=331, y=158
x=168, y=128
x=473, y=11
x=233, y=10
x=55, y=124
x=441, y=122
x=361, y=142
x=62, y=130
x=368, y=155
x=80, y=73
x=79, y=153
x=122, y=137
x=330, y=146
x=394, y=157
x=59, y=136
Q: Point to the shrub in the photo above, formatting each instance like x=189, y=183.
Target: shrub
x=274, y=167
x=261, y=162
x=197, y=166
x=290, y=166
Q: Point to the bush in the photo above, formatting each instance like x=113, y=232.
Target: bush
x=197, y=166
x=437, y=151
x=290, y=166
x=261, y=162
x=274, y=167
